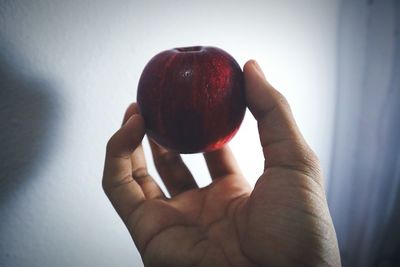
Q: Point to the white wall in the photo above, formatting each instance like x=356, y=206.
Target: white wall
x=68, y=70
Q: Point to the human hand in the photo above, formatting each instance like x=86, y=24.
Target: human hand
x=284, y=221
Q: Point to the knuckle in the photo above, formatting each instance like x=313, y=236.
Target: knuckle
x=281, y=99
x=109, y=145
x=308, y=160
x=284, y=104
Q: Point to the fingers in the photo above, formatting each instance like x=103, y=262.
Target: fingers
x=139, y=167
x=221, y=163
x=173, y=171
x=281, y=140
x=123, y=191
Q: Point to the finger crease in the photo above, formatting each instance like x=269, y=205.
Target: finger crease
x=123, y=181
x=308, y=172
x=140, y=173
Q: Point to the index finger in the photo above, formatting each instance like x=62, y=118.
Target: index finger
x=123, y=191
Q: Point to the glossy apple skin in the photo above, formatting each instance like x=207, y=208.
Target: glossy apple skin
x=192, y=99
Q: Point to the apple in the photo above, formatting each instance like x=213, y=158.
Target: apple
x=192, y=98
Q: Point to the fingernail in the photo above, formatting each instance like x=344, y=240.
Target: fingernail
x=126, y=119
x=132, y=109
x=131, y=118
x=258, y=68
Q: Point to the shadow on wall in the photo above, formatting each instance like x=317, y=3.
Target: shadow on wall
x=28, y=111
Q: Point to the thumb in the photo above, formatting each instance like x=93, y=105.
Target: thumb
x=281, y=141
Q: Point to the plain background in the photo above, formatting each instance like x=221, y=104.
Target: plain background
x=69, y=69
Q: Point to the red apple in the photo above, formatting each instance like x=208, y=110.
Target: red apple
x=192, y=98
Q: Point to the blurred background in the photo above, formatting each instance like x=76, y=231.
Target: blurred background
x=69, y=69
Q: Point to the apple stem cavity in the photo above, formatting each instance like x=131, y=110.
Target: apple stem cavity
x=189, y=49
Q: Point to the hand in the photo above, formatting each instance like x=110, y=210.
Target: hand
x=284, y=221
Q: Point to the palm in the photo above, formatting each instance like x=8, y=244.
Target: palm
x=284, y=221
x=216, y=225
x=200, y=227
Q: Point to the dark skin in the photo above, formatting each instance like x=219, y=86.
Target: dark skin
x=283, y=221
